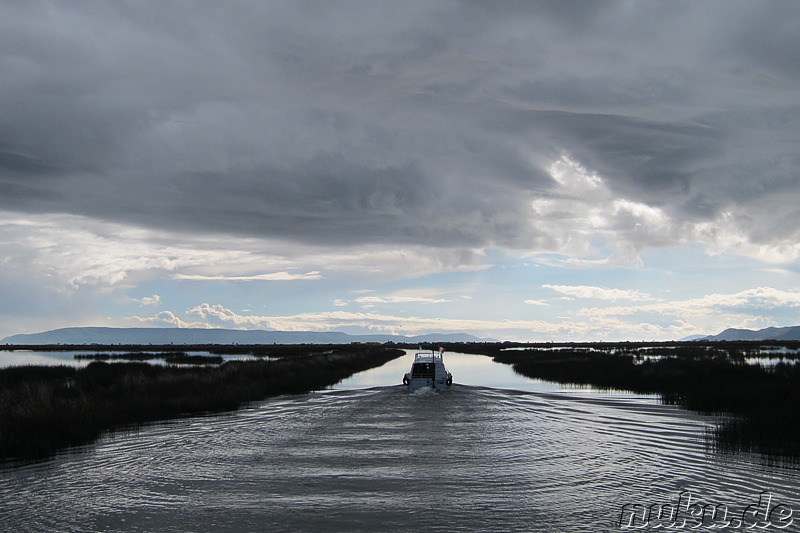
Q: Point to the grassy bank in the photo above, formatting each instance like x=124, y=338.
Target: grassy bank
x=43, y=409
x=759, y=406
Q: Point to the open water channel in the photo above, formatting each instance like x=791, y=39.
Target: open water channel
x=496, y=452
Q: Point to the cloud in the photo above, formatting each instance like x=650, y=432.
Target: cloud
x=149, y=300
x=399, y=299
x=216, y=315
x=608, y=328
x=167, y=319
x=67, y=252
x=423, y=296
x=657, y=320
x=275, y=276
x=423, y=124
x=366, y=144
x=219, y=313
x=600, y=293
x=750, y=301
x=535, y=302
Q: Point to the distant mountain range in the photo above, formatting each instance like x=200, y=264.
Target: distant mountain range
x=791, y=333
x=92, y=335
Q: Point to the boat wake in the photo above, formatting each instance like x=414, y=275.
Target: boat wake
x=381, y=458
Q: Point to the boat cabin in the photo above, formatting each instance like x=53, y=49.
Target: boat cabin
x=428, y=370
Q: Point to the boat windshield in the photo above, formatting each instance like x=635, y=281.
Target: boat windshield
x=422, y=370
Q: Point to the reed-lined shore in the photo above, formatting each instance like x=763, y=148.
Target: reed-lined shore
x=758, y=405
x=44, y=409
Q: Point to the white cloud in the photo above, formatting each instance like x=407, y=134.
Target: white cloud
x=215, y=315
x=576, y=181
x=149, y=300
x=419, y=295
x=600, y=293
x=535, y=302
x=730, y=233
x=752, y=309
x=709, y=314
x=397, y=299
x=592, y=329
x=275, y=276
x=167, y=318
x=218, y=313
x=68, y=251
x=591, y=226
x=741, y=303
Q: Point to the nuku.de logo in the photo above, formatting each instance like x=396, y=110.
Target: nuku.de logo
x=691, y=513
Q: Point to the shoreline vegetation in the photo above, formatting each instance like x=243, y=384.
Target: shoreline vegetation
x=758, y=405
x=44, y=409
x=170, y=358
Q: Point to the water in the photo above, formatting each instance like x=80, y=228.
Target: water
x=67, y=358
x=44, y=358
x=518, y=455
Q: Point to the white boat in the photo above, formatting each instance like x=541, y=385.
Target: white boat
x=428, y=370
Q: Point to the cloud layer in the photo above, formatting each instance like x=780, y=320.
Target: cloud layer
x=590, y=323
x=433, y=123
x=151, y=153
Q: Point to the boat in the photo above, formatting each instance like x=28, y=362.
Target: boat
x=428, y=370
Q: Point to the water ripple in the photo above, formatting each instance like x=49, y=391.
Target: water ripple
x=470, y=459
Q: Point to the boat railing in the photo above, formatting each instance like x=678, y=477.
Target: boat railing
x=431, y=355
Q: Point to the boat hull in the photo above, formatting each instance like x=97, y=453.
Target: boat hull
x=428, y=370
x=421, y=383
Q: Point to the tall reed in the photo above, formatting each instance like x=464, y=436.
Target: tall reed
x=43, y=409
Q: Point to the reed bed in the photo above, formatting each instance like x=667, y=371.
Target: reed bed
x=758, y=406
x=171, y=358
x=44, y=409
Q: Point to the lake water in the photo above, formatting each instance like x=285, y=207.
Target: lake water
x=67, y=358
x=496, y=452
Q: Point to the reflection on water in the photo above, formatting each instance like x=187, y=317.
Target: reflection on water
x=471, y=369
x=28, y=357
x=496, y=452
x=52, y=358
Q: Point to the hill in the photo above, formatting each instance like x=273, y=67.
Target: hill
x=99, y=335
x=791, y=333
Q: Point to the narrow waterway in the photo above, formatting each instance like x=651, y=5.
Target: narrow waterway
x=496, y=452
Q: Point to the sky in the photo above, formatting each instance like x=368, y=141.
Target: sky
x=516, y=170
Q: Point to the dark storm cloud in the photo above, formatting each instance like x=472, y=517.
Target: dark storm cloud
x=395, y=122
